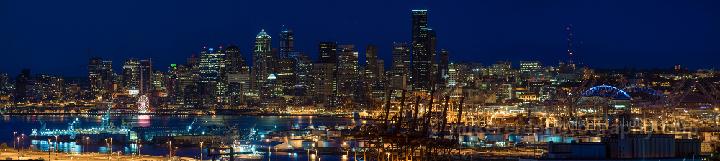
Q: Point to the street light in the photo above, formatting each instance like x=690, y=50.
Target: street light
x=14, y=135
x=22, y=140
x=56, y=145
x=170, y=149
x=87, y=139
x=109, y=144
x=49, y=147
x=201, y=150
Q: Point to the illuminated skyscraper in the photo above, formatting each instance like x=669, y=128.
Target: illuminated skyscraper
x=374, y=73
x=100, y=75
x=237, y=74
x=263, y=65
x=131, y=75
x=423, y=49
x=137, y=76
x=146, y=73
x=212, y=66
x=442, y=72
x=212, y=62
x=287, y=42
x=347, y=71
x=400, y=66
x=286, y=62
x=303, y=69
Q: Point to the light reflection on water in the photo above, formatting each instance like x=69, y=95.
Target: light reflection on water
x=24, y=125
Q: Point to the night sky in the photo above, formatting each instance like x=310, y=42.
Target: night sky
x=59, y=37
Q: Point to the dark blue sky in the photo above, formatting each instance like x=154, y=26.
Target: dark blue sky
x=59, y=36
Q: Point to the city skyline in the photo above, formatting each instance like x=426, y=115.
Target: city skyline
x=544, y=41
x=521, y=80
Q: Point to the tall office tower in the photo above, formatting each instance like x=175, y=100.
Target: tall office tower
x=303, y=69
x=286, y=74
x=131, y=76
x=212, y=62
x=422, y=51
x=186, y=92
x=145, y=75
x=374, y=73
x=371, y=61
x=100, y=75
x=159, y=82
x=400, y=66
x=237, y=74
x=172, y=85
x=212, y=65
x=328, y=52
x=287, y=42
x=442, y=72
x=324, y=83
x=22, y=85
x=347, y=72
x=263, y=65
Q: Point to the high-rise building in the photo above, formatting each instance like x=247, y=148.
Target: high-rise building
x=400, y=66
x=263, y=65
x=212, y=64
x=237, y=74
x=137, y=76
x=131, y=75
x=324, y=83
x=287, y=42
x=303, y=73
x=22, y=85
x=374, y=73
x=186, y=92
x=50, y=88
x=100, y=75
x=442, y=71
x=423, y=50
x=286, y=62
x=347, y=69
x=328, y=52
x=146, y=75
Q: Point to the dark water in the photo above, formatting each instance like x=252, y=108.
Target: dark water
x=24, y=124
